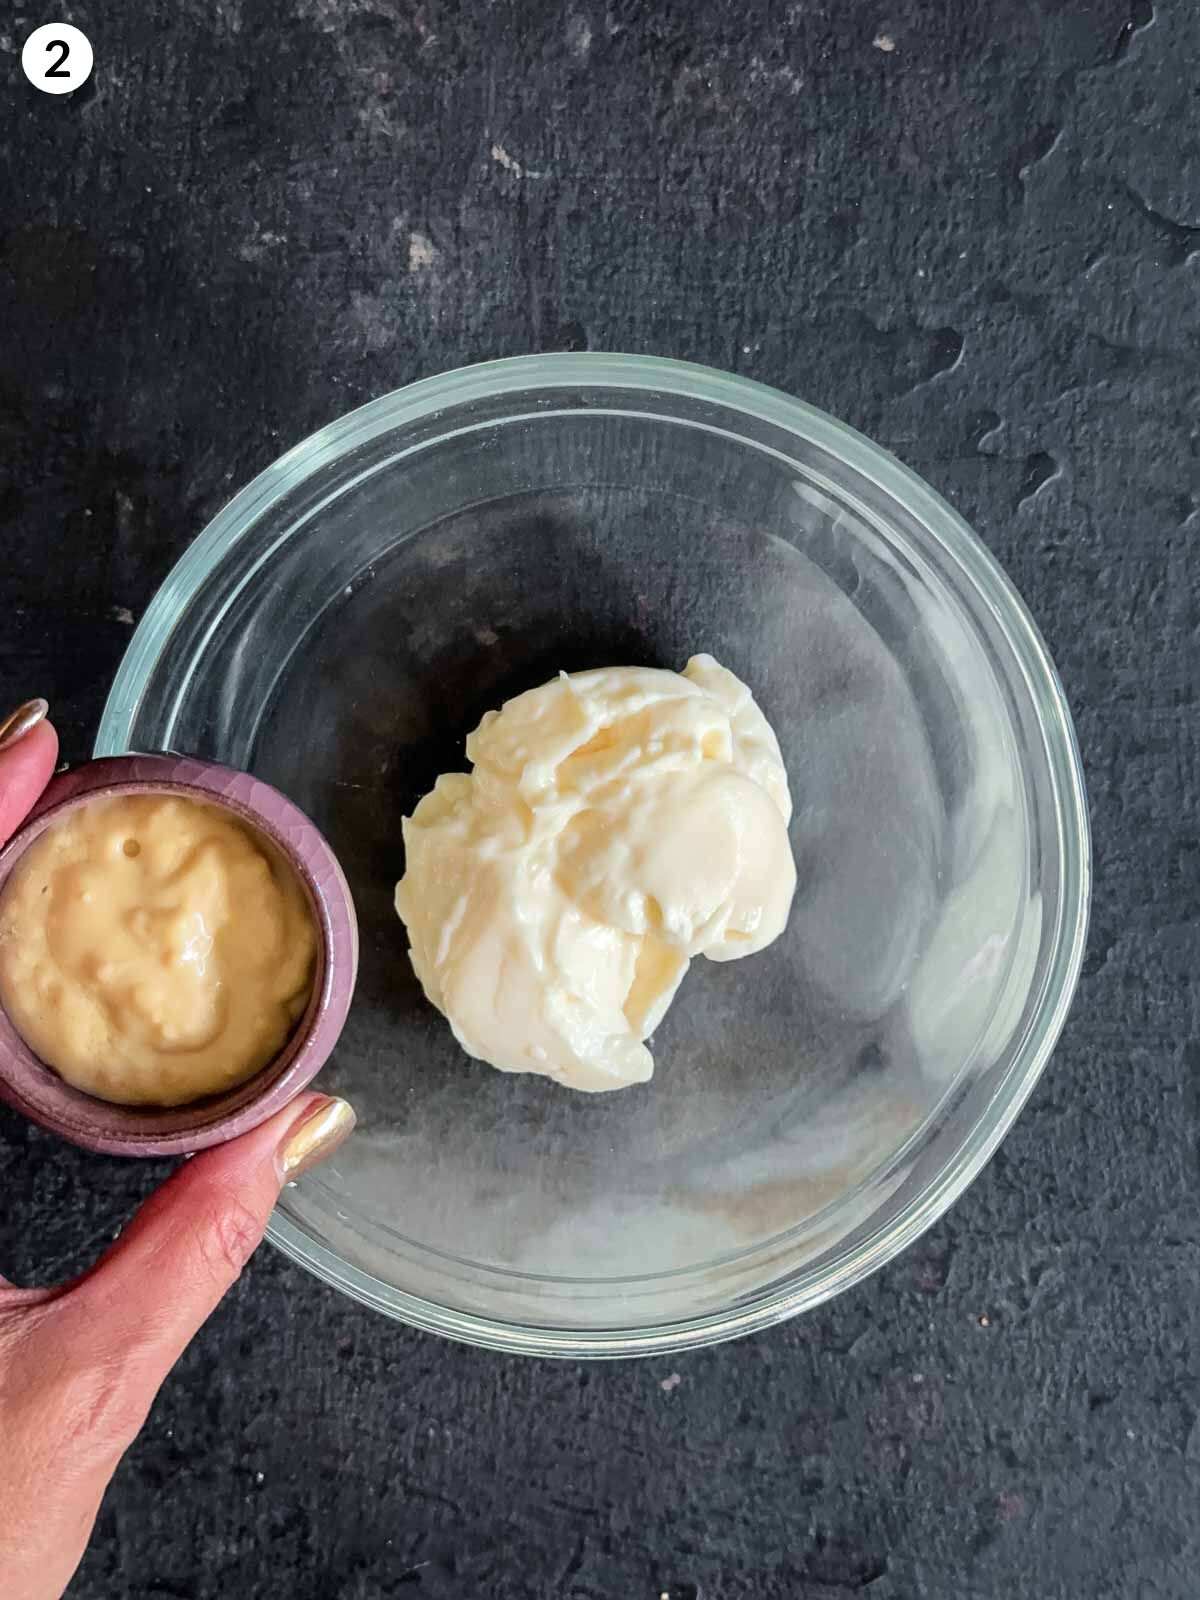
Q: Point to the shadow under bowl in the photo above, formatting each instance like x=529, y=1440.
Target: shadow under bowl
x=34, y=1089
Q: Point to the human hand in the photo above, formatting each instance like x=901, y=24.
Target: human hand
x=80, y=1365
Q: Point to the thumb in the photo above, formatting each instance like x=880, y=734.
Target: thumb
x=28, y=751
x=133, y=1314
x=79, y=1367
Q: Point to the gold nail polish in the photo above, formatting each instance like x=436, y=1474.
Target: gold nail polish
x=314, y=1137
x=19, y=722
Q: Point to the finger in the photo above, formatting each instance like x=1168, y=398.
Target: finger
x=79, y=1368
x=26, y=764
x=28, y=752
x=139, y=1307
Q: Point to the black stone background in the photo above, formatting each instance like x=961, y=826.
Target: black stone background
x=974, y=232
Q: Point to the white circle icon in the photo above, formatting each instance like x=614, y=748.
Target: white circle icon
x=57, y=58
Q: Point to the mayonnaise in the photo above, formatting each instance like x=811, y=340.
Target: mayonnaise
x=616, y=824
x=152, y=951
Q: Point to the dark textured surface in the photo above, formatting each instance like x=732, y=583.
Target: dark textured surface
x=981, y=246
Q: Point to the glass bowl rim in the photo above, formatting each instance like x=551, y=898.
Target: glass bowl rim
x=981, y=575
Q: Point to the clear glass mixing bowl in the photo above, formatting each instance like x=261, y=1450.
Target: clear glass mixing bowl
x=347, y=619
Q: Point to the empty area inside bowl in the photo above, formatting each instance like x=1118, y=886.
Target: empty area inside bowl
x=345, y=646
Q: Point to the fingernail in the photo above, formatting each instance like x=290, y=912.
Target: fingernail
x=316, y=1136
x=19, y=722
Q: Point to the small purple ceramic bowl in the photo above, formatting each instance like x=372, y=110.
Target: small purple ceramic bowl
x=32, y=1088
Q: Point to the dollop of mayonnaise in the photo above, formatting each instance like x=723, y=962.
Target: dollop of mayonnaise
x=153, y=950
x=616, y=824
